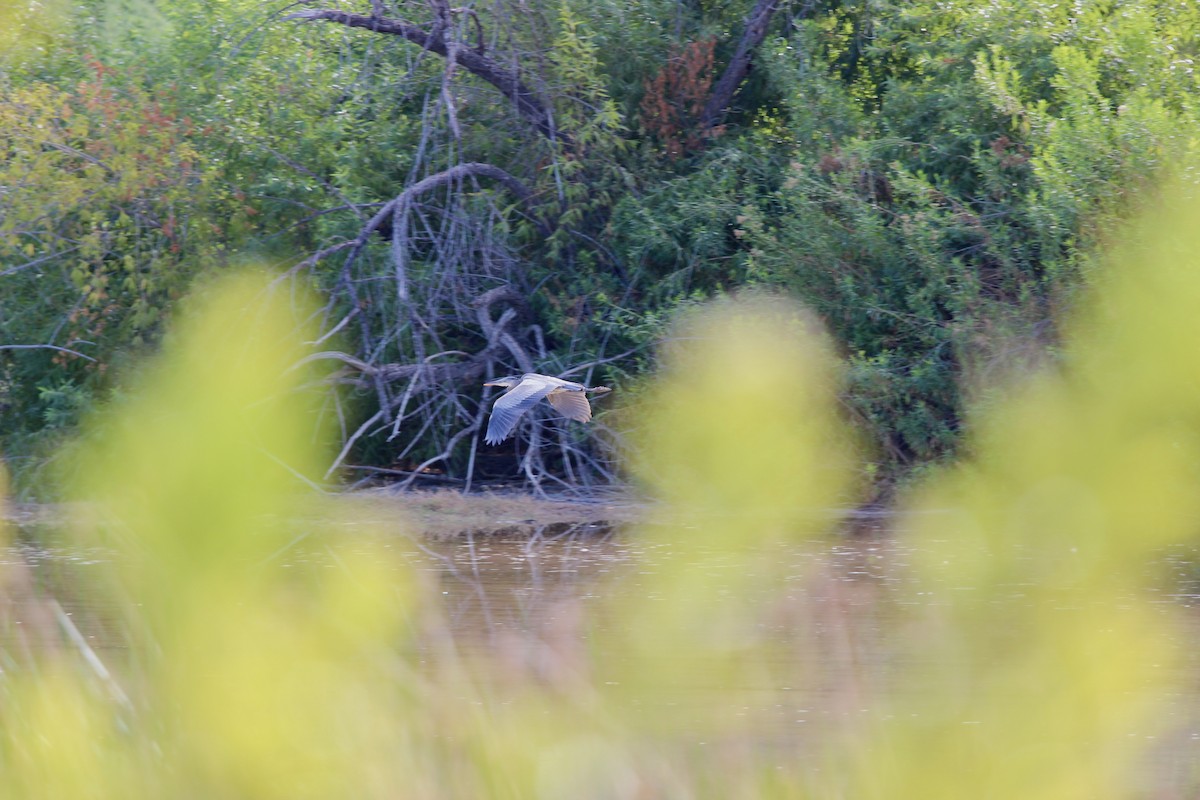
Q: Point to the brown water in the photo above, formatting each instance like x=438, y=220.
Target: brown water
x=530, y=608
x=496, y=592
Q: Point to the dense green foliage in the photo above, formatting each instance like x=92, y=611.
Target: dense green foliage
x=933, y=178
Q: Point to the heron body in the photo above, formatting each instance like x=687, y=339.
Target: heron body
x=526, y=391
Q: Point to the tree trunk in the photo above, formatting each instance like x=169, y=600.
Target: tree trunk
x=739, y=66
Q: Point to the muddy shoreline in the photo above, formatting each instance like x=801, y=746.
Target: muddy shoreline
x=447, y=514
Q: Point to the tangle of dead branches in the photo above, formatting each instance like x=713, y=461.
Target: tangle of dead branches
x=443, y=307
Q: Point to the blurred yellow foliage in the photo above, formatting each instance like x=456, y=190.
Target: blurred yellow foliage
x=741, y=440
x=1038, y=669
x=1051, y=667
x=249, y=678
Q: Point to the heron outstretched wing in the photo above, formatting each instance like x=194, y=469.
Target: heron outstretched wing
x=511, y=405
x=572, y=405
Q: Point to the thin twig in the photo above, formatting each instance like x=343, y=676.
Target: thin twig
x=46, y=347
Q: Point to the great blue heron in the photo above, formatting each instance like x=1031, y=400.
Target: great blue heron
x=525, y=391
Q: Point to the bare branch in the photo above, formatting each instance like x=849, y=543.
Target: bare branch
x=336, y=355
x=389, y=209
x=345, y=451
x=4, y=273
x=460, y=371
x=45, y=347
x=523, y=192
x=597, y=362
x=478, y=63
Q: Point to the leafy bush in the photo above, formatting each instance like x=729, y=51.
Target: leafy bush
x=935, y=178
x=104, y=222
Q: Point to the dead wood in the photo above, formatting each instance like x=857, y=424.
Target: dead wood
x=398, y=206
x=437, y=39
x=499, y=339
x=437, y=383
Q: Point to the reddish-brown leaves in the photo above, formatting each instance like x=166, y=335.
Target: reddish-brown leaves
x=675, y=98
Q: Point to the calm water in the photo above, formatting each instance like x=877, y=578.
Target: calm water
x=532, y=608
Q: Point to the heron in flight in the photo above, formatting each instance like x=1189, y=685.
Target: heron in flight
x=525, y=391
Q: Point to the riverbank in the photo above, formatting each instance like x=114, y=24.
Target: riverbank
x=446, y=514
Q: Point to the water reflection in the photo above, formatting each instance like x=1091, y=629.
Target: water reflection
x=45, y=606
x=847, y=590
x=495, y=586
x=535, y=609
x=501, y=596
